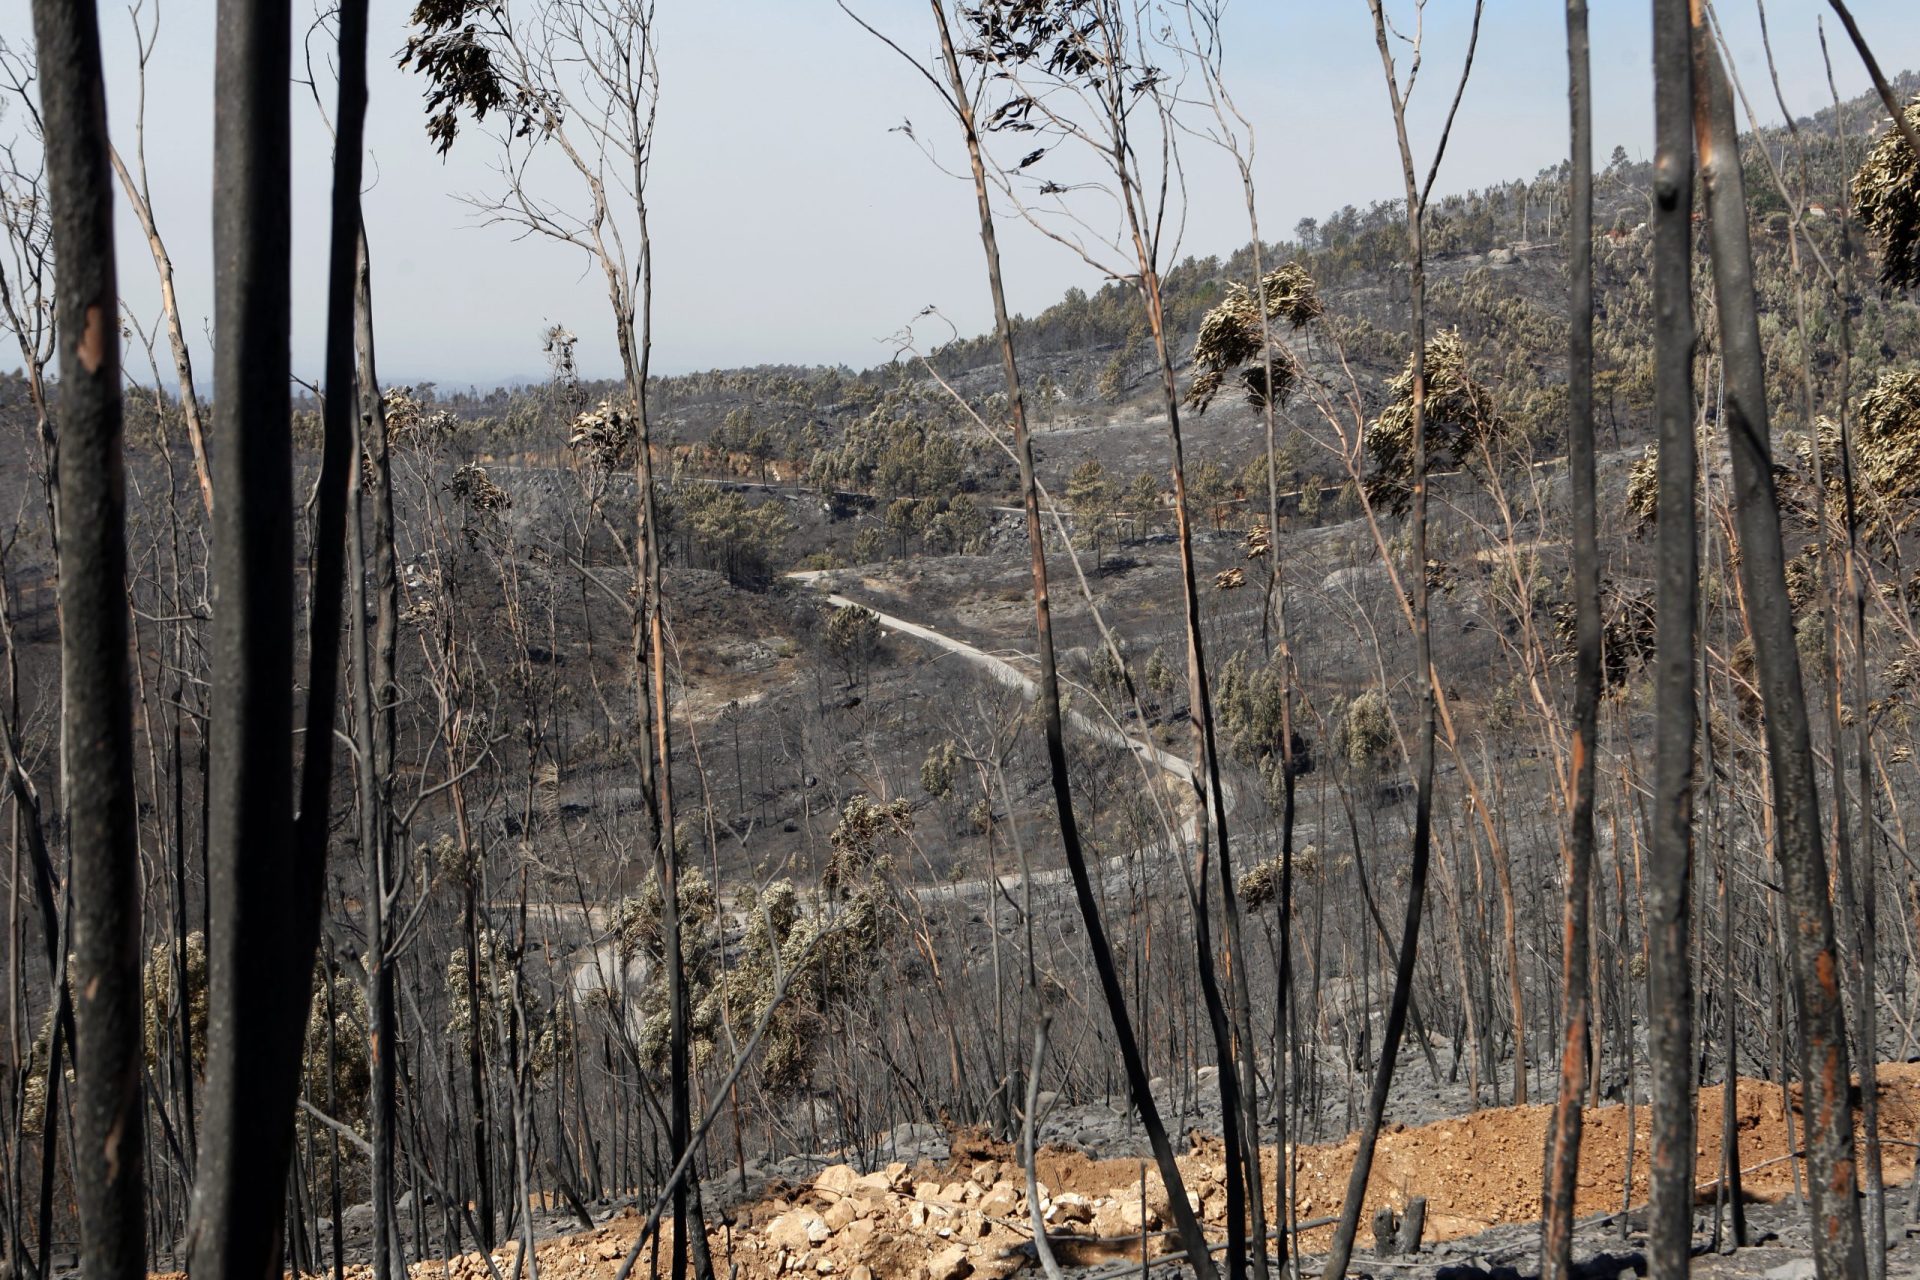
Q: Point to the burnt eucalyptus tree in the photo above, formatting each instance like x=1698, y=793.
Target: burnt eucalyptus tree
x=1290, y=292
x=580, y=78
x=1669, y=927
x=1417, y=193
x=1838, y=1246
x=266, y=870
x=960, y=97
x=348, y=363
x=1084, y=71
x=253, y=965
x=97, y=724
x=1576, y=998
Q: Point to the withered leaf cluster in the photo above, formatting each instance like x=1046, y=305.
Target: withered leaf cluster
x=1886, y=453
x=1461, y=417
x=1643, y=487
x=1886, y=195
x=411, y=420
x=603, y=436
x=1260, y=886
x=1626, y=635
x=477, y=491
x=451, y=45
x=862, y=839
x=1061, y=37
x=1233, y=337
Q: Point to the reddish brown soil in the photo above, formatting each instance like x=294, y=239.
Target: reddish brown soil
x=1478, y=1171
x=1484, y=1170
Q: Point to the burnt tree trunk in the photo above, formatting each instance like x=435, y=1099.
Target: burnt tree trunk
x=266, y=873
x=1838, y=1246
x=1576, y=1000
x=1341, y=1251
x=97, y=721
x=1669, y=883
x=1186, y=1221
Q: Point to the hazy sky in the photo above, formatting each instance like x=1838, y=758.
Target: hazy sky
x=791, y=225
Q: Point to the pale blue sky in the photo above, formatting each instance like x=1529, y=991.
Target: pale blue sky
x=790, y=225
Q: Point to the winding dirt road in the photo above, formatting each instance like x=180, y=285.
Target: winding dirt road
x=597, y=966
x=1004, y=672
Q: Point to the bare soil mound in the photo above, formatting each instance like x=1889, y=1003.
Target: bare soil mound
x=970, y=1217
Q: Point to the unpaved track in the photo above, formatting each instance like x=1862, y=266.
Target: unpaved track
x=597, y=965
x=1004, y=672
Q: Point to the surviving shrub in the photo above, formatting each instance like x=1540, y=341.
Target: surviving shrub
x=937, y=770
x=853, y=637
x=1364, y=731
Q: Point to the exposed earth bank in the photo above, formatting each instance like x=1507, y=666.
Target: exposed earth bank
x=968, y=1215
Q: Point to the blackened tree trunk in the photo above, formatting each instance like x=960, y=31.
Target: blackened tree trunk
x=1838, y=1247
x=1341, y=1250
x=650, y=663
x=1240, y=1158
x=97, y=726
x=1669, y=925
x=264, y=885
x=30, y=824
x=1192, y=1235
x=337, y=463
x=349, y=339
x=372, y=661
x=1231, y=1026
x=1576, y=1001
x=378, y=957
x=386, y=581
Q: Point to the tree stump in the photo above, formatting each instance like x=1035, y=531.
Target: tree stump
x=1386, y=1239
x=1412, y=1223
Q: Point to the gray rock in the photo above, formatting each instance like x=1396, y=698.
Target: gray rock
x=911, y=1142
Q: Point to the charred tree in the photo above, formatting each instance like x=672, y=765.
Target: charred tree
x=1341, y=1251
x=265, y=871
x=1839, y=1249
x=1186, y=1221
x=1576, y=1002
x=97, y=711
x=1669, y=879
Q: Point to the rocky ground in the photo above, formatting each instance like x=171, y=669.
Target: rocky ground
x=934, y=1206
